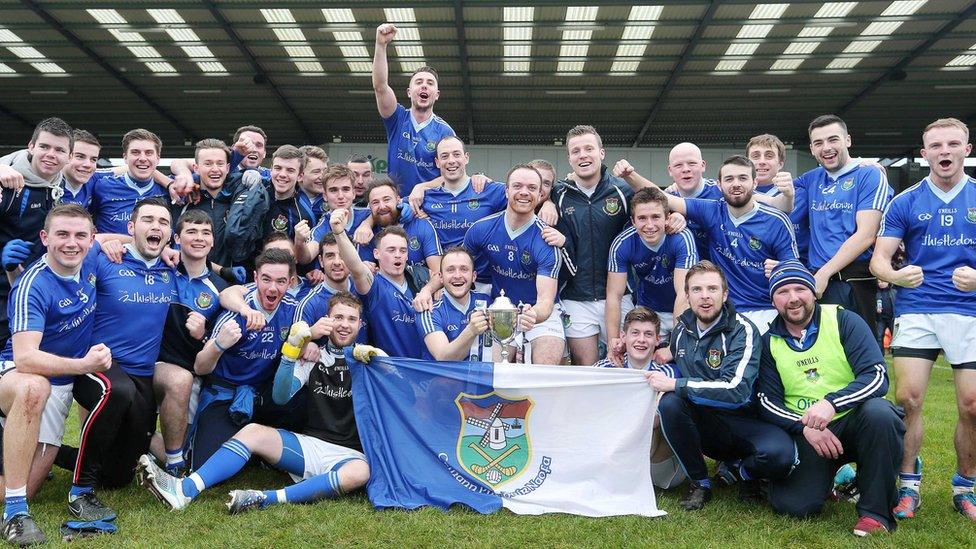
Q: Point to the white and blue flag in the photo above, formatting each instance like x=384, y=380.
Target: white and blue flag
x=532, y=439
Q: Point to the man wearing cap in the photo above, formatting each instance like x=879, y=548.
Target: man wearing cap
x=823, y=379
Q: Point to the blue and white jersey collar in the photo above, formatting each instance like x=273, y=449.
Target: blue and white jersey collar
x=463, y=309
x=136, y=186
x=515, y=233
x=656, y=247
x=745, y=217
x=459, y=190
x=402, y=287
x=951, y=194
x=417, y=126
x=135, y=254
x=851, y=165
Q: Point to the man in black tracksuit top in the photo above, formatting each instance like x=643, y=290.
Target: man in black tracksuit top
x=707, y=411
x=592, y=212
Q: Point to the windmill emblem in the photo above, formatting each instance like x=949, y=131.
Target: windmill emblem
x=493, y=444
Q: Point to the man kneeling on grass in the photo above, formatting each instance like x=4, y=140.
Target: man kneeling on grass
x=326, y=460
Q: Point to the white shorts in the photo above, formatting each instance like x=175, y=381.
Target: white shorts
x=55, y=411
x=667, y=324
x=552, y=326
x=762, y=318
x=955, y=334
x=588, y=318
x=191, y=412
x=321, y=456
x=668, y=473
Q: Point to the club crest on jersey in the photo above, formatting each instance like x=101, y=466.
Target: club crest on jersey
x=754, y=243
x=164, y=276
x=526, y=257
x=611, y=206
x=204, y=300
x=473, y=204
x=848, y=184
x=279, y=223
x=493, y=441
x=812, y=375
x=665, y=261
x=714, y=359
x=414, y=243
x=971, y=215
x=431, y=146
x=92, y=278
x=284, y=332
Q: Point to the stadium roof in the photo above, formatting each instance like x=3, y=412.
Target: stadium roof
x=714, y=73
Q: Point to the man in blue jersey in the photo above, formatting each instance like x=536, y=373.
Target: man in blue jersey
x=411, y=134
x=114, y=196
x=768, y=153
x=250, y=149
x=935, y=303
x=424, y=248
x=239, y=360
x=387, y=299
x=133, y=300
x=845, y=201
x=513, y=245
x=339, y=195
x=32, y=183
x=639, y=338
x=80, y=168
x=592, y=208
x=311, y=193
x=659, y=261
x=708, y=411
x=687, y=170
x=189, y=317
x=454, y=327
x=743, y=234
x=325, y=458
x=52, y=312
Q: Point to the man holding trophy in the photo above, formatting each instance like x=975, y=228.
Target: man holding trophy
x=520, y=251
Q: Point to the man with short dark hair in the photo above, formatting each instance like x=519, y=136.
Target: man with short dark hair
x=113, y=196
x=411, y=134
x=249, y=150
x=362, y=168
x=708, y=410
x=52, y=309
x=823, y=379
x=80, y=168
x=453, y=328
x=424, y=248
x=325, y=459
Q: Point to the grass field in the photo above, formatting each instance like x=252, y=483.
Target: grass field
x=353, y=522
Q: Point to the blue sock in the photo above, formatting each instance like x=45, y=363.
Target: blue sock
x=962, y=484
x=79, y=490
x=15, y=502
x=704, y=483
x=174, y=457
x=318, y=487
x=743, y=474
x=230, y=458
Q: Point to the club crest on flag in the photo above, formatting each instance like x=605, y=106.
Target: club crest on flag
x=493, y=439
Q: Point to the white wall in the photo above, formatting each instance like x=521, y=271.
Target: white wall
x=495, y=160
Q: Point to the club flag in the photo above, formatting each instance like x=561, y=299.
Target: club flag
x=532, y=439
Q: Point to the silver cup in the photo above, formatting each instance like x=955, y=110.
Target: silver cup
x=503, y=321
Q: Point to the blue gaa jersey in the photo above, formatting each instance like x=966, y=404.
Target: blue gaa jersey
x=133, y=300
x=741, y=247
x=670, y=370
x=939, y=232
x=323, y=228
x=453, y=212
x=391, y=319
x=514, y=258
x=254, y=358
x=708, y=190
x=411, y=148
x=113, y=197
x=315, y=305
x=80, y=196
x=451, y=317
x=834, y=202
x=654, y=266
x=800, y=216
x=422, y=243
x=62, y=309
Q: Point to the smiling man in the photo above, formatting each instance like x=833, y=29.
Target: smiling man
x=133, y=300
x=81, y=166
x=453, y=328
x=846, y=200
x=113, y=196
x=411, y=134
x=708, y=410
x=687, y=170
x=424, y=248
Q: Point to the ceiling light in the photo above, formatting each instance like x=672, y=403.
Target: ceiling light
x=903, y=7
x=835, y=9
